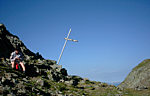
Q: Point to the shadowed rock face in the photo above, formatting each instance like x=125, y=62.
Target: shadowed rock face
x=139, y=77
x=9, y=42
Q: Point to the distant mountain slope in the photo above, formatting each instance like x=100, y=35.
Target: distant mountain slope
x=139, y=77
x=114, y=83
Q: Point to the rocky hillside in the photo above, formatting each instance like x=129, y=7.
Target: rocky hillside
x=9, y=42
x=42, y=77
x=45, y=77
x=139, y=78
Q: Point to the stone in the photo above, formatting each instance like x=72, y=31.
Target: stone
x=8, y=76
x=40, y=82
x=56, y=66
x=3, y=79
x=69, y=82
x=14, y=81
x=22, y=91
x=64, y=72
x=14, y=75
x=139, y=77
x=40, y=61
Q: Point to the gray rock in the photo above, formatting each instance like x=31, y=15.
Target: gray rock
x=139, y=77
x=69, y=82
x=55, y=66
x=3, y=79
x=40, y=82
x=22, y=91
x=8, y=76
x=40, y=61
x=14, y=81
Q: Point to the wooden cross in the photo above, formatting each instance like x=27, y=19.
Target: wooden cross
x=65, y=45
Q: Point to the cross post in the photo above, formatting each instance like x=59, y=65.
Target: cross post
x=65, y=45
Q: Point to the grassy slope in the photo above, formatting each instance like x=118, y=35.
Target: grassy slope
x=142, y=64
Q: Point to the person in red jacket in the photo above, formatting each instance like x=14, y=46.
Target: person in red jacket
x=17, y=56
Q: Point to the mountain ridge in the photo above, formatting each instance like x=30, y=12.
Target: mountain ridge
x=46, y=78
x=43, y=77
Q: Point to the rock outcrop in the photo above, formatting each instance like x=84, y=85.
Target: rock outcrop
x=139, y=77
x=9, y=42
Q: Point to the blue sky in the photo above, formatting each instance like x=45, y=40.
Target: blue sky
x=113, y=34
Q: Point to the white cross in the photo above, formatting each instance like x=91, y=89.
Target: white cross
x=65, y=45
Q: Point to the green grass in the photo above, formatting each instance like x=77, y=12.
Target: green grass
x=132, y=92
x=142, y=64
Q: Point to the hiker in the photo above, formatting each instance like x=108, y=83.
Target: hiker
x=17, y=56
